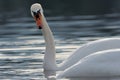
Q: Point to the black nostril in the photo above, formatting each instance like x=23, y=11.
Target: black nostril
x=39, y=27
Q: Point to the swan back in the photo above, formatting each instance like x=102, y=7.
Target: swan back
x=90, y=48
x=100, y=64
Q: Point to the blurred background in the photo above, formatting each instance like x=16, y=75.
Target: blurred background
x=63, y=7
x=73, y=23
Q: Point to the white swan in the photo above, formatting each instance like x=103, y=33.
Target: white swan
x=85, y=50
x=101, y=64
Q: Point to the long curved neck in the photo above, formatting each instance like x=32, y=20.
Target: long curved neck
x=49, y=58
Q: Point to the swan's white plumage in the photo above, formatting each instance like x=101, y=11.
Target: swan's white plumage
x=49, y=58
x=94, y=59
x=100, y=64
x=89, y=48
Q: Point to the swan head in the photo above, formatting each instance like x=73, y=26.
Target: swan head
x=36, y=12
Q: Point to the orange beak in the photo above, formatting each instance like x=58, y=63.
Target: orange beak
x=38, y=19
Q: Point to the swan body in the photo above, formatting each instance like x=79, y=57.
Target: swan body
x=89, y=48
x=85, y=60
x=100, y=64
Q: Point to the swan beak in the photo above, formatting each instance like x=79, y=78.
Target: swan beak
x=38, y=19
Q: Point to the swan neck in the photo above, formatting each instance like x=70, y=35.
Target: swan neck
x=50, y=57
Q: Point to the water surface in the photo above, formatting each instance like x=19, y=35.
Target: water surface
x=22, y=45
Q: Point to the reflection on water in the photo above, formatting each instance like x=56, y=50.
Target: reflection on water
x=22, y=45
x=51, y=75
x=91, y=79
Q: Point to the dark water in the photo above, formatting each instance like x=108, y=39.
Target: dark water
x=22, y=45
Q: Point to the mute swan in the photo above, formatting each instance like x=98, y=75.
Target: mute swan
x=85, y=50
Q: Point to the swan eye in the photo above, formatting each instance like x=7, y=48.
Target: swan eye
x=34, y=13
x=38, y=11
